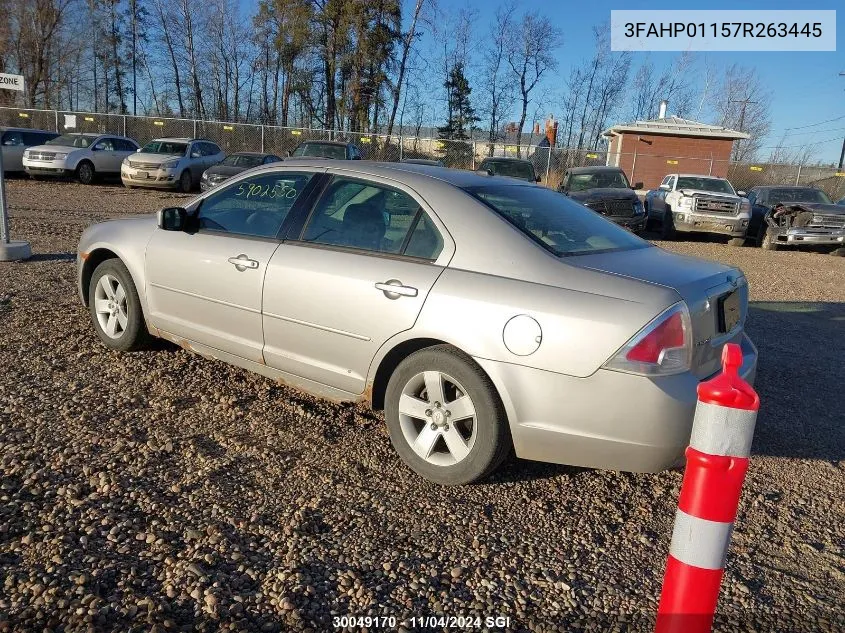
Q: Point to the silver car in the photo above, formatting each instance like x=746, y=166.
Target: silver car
x=479, y=312
x=83, y=156
x=170, y=163
x=15, y=140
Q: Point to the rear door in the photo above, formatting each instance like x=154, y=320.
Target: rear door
x=206, y=285
x=356, y=275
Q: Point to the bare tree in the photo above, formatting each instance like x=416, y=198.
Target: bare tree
x=741, y=102
x=498, y=92
x=677, y=84
x=530, y=56
x=407, y=42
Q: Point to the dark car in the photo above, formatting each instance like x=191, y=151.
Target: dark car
x=512, y=167
x=607, y=191
x=337, y=150
x=234, y=164
x=794, y=216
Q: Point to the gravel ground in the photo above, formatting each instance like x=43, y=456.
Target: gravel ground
x=162, y=491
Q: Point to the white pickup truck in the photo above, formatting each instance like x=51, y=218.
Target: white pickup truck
x=691, y=203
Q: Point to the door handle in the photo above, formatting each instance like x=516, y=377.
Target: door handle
x=393, y=289
x=242, y=262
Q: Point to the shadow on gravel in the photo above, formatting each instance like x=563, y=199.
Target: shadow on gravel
x=52, y=257
x=800, y=379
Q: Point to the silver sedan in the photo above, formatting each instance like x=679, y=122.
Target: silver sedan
x=481, y=314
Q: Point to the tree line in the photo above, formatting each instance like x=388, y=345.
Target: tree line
x=356, y=65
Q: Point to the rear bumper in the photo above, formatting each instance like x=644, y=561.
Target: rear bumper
x=610, y=420
x=796, y=237
x=732, y=225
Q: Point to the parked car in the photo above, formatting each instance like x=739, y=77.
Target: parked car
x=794, y=216
x=422, y=161
x=692, y=203
x=841, y=202
x=170, y=163
x=83, y=156
x=13, y=142
x=327, y=149
x=607, y=191
x=281, y=270
x=232, y=165
x=511, y=167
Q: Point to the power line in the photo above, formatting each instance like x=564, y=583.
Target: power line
x=802, y=127
x=832, y=129
x=807, y=144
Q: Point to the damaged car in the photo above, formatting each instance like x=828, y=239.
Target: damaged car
x=607, y=191
x=795, y=216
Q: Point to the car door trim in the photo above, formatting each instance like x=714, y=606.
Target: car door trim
x=204, y=298
x=317, y=326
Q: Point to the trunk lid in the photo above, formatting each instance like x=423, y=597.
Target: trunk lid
x=702, y=284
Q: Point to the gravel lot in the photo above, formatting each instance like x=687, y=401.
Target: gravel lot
x=162, y=491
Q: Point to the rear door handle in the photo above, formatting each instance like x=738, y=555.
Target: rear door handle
x=393, y=289
x=242, y=262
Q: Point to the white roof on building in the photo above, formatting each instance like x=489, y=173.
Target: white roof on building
x=675, y=126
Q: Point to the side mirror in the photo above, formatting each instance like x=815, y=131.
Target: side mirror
x=664, y=187
x=637, y=185
x=742, y=194
x=536, y=178
x=290, y=153
x=172, y=219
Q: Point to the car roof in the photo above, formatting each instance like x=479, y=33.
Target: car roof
x=338, y=143
x=593, y=169
x=508, y=159
x=697, y=176
x=768, y=187
x=25, y=129
x=412, y=171
x=251, y=154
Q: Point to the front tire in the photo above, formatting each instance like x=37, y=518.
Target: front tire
x=185, y=182
x=85, y=173
x=667, y=226
x=736, y=241
x=769, y=243
x=445, y=418
x=115, y=307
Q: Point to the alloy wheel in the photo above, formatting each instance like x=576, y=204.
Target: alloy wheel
x=110, y=306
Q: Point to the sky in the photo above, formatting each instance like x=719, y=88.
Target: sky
x=806, y=87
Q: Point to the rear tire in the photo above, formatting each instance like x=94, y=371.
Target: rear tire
x=736, y=241
x=667, y=226
x=445, y=417
x=85, y=173
x=185, y=182
x=115, y=308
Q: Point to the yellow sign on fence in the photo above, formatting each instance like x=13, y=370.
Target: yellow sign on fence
x=366, y=139
x=840, y=174
x=159, y=123
x=592, y=155
x=228, y=128
x=755, y=168
x=296, y=132
x=89, y=118
x=23, y=115
x=671, y=162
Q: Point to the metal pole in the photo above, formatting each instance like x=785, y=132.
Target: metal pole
x=124, y=125
x=842, y=155
x=634, y=165
x=262, y=138
x=4, y=218
x=548, y=164
x=57, y=120
x=798, y=177
x=710, y=173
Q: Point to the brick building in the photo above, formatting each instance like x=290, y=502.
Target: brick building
x=648, y=150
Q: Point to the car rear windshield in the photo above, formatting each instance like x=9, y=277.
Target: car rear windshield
x=164, y=147
x=716, y=185
x=513, y=168
x=321, y=150
x=242, y=160
x=555, y=222
x=598, y=180
x=72, y=140
x=798, y=195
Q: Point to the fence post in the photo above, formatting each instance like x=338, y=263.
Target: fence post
x=634, y=165
x=262, y=138
x=401, y=146
x=195, y=128
x=548, y=164
x=473, y=154
x=57, y=120
x=710, y=173
x=124, y=125
x=798, y=177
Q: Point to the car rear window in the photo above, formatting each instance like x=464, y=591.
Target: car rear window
x=798, y=195
x=555, y=222
x=72, y=140
x=716, y=185
x=321, y=150
x=512, y=168
x=164, y=147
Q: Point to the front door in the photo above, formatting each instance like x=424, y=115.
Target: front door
x=206, y=285
x=360, y=273
x=106, y=156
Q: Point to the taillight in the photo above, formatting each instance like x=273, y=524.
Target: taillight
x=662, y=347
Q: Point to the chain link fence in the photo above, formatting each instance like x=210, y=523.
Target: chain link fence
x=549, y=163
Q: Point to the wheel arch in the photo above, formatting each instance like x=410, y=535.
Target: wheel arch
x=89, y=265
x=390, y=361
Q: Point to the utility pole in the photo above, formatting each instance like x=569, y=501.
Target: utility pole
x=744, y=103
x=842, y=155
x=134, y=9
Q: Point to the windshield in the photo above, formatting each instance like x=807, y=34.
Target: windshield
x=164, y=147
x=598, y=180
x=514, y=168
x=72, y=140
x=555, y=222
x=321, y=150
x=798, y=195
x=716, y=185
x=242, y=160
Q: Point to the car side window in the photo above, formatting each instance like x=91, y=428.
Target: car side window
x=752, y=196
x=125, y=145
x=255, y=206
x=210, y=149
x=195, y=150
x=13, y=138
x=671, y=183
x=105, y=145
x=370, y=217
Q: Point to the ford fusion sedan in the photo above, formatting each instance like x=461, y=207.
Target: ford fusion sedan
x=83, y=156
x=232, y=165
x=481, y=314
x=170, y=163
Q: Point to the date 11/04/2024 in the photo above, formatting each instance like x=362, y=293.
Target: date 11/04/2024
x=722, y=29
x=498, y=623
